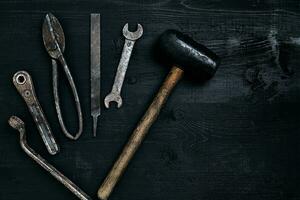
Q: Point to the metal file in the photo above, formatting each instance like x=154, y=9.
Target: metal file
x=95, y=69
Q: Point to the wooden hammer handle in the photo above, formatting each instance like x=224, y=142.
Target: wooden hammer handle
x=139, y=133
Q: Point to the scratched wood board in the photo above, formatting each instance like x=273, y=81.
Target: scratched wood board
x=234, y=137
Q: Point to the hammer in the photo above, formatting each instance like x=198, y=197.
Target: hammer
x=184, y=55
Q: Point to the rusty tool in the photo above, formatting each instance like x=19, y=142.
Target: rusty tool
x=19, y=125
x=184, y=54
x=95, y=69
x=24, y=84
x=54, y=42
x=130, y=39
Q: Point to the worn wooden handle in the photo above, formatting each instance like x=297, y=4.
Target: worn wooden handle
x=139, y=133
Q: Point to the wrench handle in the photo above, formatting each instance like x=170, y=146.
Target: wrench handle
x=24, y=84
x=19, y=125
x=123, y=65
x=139, y=133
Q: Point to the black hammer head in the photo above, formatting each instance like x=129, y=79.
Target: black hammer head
x=182, y=51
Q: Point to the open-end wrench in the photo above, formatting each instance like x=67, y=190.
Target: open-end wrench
x=19, y=125
x=130, y=38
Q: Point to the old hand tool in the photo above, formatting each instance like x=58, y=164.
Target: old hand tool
x=185, y=55
x=54, y=41
x=24, y=85
x=130, y=38
x=95, y=69
x=19, y=125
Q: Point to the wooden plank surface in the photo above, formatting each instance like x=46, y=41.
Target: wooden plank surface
x=234, y=137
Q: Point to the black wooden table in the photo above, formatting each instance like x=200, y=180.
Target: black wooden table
x=234, y=137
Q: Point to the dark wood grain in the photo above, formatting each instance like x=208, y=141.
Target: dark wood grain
x=235, y=137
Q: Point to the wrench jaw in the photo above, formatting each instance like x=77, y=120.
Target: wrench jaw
x=113, y=97
x=133, y=35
